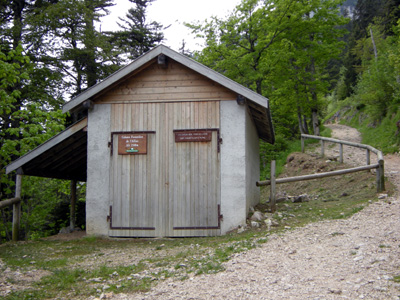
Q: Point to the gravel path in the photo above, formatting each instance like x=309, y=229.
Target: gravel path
x=355, y=258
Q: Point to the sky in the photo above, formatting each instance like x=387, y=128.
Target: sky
x=175, y=13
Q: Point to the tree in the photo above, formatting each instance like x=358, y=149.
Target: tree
x=24, y=124
x=68, y=43
x=378, y=83
x=279, y=49
x=137, y=35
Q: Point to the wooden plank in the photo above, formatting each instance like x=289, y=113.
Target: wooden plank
x=191, y=80
x=184, y=88
x=169, y=97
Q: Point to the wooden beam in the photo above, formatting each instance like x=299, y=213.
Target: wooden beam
x=9, y=202
x=162, y=61
x=17, y=209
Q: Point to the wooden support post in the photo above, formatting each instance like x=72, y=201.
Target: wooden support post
x=302, y=144
x=368, y=157
x=380, y=176
x=17, y=209
x=73, y=204
x=322, y=148
x=341, y=153
x=273, y=187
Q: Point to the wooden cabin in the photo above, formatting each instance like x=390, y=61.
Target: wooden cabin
x=169, y=147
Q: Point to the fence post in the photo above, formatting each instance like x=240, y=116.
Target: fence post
x=341, y=153
x=273, y=186
x=380, y=176
x=368, y=157
x=302, y=144
x=17, y=209
x=322, y=148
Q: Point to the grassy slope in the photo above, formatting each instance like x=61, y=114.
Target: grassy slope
x=381, y=135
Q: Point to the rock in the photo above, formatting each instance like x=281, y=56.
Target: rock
x=289, y=159
x=107, y=295
x=257, y=216
x=66, y=230
x=281, y=197
x=382, y=196
x=241, y=229
x=268, y=222
x=301, y=198
x=335, y=291
x=255, y=224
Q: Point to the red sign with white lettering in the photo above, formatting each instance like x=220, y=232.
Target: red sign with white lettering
x=193, y=136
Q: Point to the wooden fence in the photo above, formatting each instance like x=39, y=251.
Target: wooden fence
x=379, y=166
x=16, y=202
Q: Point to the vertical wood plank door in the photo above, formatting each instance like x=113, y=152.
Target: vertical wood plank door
x=174, y=188
x=195, y=197
x=132, y=206
x=194, y=162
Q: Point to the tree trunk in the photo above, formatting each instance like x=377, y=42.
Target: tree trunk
x=303, y=129
x=89, y=41
x=315, y=121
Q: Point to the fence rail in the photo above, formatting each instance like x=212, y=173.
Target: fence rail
x=380, y=176
x=9, y=202
x=16, y=203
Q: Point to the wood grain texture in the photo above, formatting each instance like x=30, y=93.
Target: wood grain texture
x=176, y=83
x=175, y=185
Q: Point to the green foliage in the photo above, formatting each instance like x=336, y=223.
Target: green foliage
x=24, y=123
x=373, y=107
x=46, y=206
x=137, y=35
x=280, y=49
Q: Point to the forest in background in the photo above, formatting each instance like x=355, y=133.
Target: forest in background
x=316, y=60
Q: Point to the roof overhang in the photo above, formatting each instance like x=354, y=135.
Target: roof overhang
x=64, y=156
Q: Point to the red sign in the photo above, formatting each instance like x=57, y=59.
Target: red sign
x=193, y=136
x=132, y=143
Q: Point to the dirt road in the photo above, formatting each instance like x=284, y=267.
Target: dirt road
x=356, y=258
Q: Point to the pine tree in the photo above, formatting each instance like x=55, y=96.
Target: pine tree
x=137, y=35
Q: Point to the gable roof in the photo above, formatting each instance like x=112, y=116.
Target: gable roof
x=257, y=104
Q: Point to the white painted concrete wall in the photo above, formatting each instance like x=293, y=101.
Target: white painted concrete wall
x=233, y=165
x=98, y=165
x=252, y=163
x=240, y=165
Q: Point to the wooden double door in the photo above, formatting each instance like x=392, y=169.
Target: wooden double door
x=165, y=169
